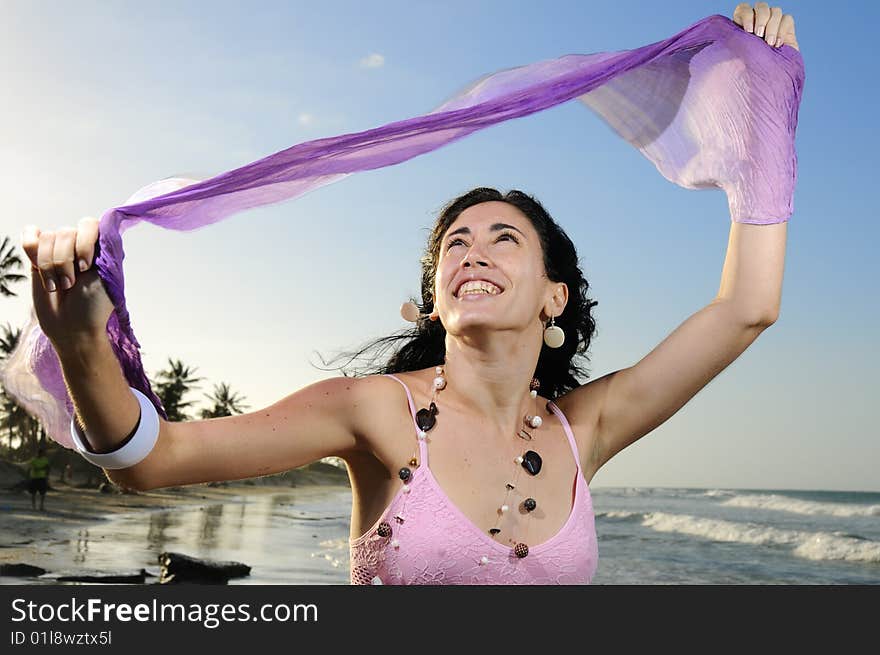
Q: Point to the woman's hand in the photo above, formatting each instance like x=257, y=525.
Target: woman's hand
x=70, y=302
x=776, y=28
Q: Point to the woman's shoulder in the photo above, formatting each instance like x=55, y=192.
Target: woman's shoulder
x=380, y=388
x=384, y=422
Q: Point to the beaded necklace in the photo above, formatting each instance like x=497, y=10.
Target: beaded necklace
x=529, y=460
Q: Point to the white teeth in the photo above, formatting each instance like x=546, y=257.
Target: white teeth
x=478, y=286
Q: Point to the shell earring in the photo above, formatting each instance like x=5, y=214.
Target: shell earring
x=409, y=311
x=554, y=336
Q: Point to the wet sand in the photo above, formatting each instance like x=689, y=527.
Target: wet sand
x=287, y=534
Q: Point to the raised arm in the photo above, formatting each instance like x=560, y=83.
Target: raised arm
x=320, y=420
x=623, y=406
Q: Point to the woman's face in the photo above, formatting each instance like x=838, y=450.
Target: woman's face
x=492, y=241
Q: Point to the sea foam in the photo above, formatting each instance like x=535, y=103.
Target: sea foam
x=810, y=545
x=779, y=503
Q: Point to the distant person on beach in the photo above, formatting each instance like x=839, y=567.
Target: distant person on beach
x=38, y=478
x=471, y=448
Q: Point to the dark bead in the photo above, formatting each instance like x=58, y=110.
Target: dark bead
x=413, y=462
x=532, y=462
x=530, y=504
x=425, y=417
x=494, y=531
x=510, y=486
x=404, y=473
x=384, y=530
x=521, y=550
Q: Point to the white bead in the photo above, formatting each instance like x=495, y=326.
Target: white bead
x=439, y=382
x=376, y=580
x=519, y=459
x=533, y=393
x=406, y=490
x=395, y=543
x=536, y=421
x=484, y=560
x=423, y=435
x=438, y=370
x=504, y=508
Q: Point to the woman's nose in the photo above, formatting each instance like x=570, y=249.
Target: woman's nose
x=474, y=256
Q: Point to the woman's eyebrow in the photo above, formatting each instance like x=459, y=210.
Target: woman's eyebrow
x=494, y=227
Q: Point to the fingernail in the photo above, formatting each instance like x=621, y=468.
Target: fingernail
x=778, y=42
x=65, y=282
x=760, y=32
x=50, y=284
x=82, y=265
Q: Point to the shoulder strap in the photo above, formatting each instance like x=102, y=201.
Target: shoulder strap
x=423, y=447
x=565, y=425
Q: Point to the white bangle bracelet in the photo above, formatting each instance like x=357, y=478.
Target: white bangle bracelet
x=137, y=447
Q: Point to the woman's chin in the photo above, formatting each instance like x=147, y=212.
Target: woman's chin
x=473, y=321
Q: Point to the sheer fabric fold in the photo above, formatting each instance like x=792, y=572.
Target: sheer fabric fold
x=711, y=106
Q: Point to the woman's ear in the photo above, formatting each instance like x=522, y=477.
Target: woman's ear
x=557, y=302
x=561, y=296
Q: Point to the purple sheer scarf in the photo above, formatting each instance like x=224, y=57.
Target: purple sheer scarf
x=711, y=106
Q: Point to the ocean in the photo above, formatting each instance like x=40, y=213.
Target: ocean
x=646, y=536
x=718, y=536
x=725, y=536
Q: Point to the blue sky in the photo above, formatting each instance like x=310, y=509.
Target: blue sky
x=103, y=98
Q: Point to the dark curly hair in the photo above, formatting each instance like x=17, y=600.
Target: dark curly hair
x=424, y=345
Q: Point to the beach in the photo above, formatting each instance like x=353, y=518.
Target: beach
x=294, y=529
x=275, y=525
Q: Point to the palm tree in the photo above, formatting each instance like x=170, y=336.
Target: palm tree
x=14, y=419
x=174, y=383
x=8, y=341
x=225, y=402
x=10, y=412
x=9, y=261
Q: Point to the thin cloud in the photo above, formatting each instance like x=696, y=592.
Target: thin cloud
x=373, y=60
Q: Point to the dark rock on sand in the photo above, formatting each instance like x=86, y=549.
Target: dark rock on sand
x=107, y=578
x=178, y=568
x=21, y=570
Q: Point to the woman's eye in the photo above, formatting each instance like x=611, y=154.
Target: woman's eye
x=500, y=236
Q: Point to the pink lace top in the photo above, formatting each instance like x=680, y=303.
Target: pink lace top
x=433, y=542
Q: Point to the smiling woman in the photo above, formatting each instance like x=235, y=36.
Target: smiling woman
x=492, y=372
x=542, y=258
x=496, y=270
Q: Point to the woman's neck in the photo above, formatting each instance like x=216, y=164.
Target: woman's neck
x=491, y=379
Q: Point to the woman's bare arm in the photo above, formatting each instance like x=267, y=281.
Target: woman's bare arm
x=320, y=420
x=628, y=404
x=73, y=308
x=625, y=405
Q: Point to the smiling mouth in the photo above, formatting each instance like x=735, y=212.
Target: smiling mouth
x=477, y=295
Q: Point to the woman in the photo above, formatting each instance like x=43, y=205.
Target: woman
x=471, y=463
